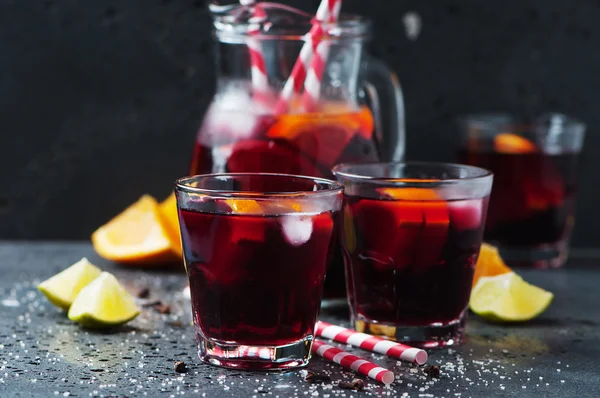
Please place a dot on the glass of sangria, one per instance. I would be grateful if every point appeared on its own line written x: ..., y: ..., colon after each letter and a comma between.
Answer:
x: 256, y: 248
x: 260, y: 125
x: 535, y: 166
x: 412, y: 234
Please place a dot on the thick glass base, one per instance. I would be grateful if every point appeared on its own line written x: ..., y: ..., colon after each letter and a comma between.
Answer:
x: 427, y: 336
x: 235, y: 356
x: 543, y: 256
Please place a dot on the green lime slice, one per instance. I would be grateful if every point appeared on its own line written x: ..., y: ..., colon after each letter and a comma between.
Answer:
x: 508, y: 298
x: 103, y: 303
x: 62, y: 288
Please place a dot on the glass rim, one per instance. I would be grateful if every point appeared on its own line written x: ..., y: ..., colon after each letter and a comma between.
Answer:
x: 348, y: 26
x: 519, y: 124
x: 481, y: 176
x: 182, y: 185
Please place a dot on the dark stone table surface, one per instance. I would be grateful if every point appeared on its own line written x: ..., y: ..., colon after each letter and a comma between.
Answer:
x: 43, y: 354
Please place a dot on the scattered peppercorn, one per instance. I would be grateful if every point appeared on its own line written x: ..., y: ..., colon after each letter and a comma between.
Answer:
x: 432, y: 371
x: 356, y: 384
x: 316, y: 378
x: 162, y: 308
x: 143, y: 293
x: 180, y: 367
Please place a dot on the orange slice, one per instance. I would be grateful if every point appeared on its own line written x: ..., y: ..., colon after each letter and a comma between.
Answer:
x: 244, y: 206
x: 512, y: 143
x: 139, y: 235
x: 408, y: 193
x: 363, y: 117
x: 489, y: 263
x: 323, y: 135
x: 168, y: 209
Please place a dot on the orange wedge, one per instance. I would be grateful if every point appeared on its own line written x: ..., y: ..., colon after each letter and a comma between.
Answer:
x: 489, y: 263
x: 244, y: 206
x: 168, y: 209
x: 139, y: 235
x: 324, y: 135
x: 512, y: 143
x: 411, y: 193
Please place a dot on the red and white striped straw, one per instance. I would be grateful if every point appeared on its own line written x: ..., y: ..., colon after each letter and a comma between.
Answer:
x: 353, y: 362
x: 371, y: 343
x: 258, y: 66
x: 314, y: 76
x: 328, y: 11
x: 255, y: 352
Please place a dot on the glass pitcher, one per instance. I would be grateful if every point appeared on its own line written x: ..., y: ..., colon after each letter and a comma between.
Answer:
x: 358, y: 115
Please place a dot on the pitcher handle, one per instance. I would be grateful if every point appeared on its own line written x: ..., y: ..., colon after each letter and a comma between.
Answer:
x: 383, y: 90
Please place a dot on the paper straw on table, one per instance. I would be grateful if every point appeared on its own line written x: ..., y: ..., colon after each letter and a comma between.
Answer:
x: 371, y: 343
x: 347, y: 360
x: 325, y: 13
x: 258, y: 68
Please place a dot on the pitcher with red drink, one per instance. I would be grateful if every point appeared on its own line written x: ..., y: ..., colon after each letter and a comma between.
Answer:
x: 281, y: 108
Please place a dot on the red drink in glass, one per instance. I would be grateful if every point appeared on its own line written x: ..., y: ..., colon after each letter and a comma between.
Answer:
x: 535, y: 166
x: 256, y: 264
x: 534, y: 206
x: 413, y: 261
x: 246, y: 263
x: 412, y: 234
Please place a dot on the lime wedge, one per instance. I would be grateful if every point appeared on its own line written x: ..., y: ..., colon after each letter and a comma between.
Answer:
x: 62, y: 288
x: 103, y: 303
x: 508, y: 298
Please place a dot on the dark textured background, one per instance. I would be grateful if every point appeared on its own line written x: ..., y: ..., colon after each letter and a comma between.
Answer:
x: 100, y: 100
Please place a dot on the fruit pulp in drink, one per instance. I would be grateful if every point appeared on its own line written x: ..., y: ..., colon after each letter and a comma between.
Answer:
x: 411, y: 262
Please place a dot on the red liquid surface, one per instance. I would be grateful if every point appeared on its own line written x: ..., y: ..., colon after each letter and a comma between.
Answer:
x: 302, y: 144
x: 412, y: 262
x: 252, y: 281
x: 532, y: 198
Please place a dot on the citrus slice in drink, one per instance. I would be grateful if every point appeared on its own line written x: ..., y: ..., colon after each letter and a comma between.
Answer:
x: 411, y: 193
x: 139, y: 235
x: 508, y: 298
x: 361, y: 119
x: 62, y: 288
x: 489, y: 263
x: 103, y: 303
x: 248, y: 229
x: 323, y: 135
x: 513, y: 143
x: 244, y: 206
